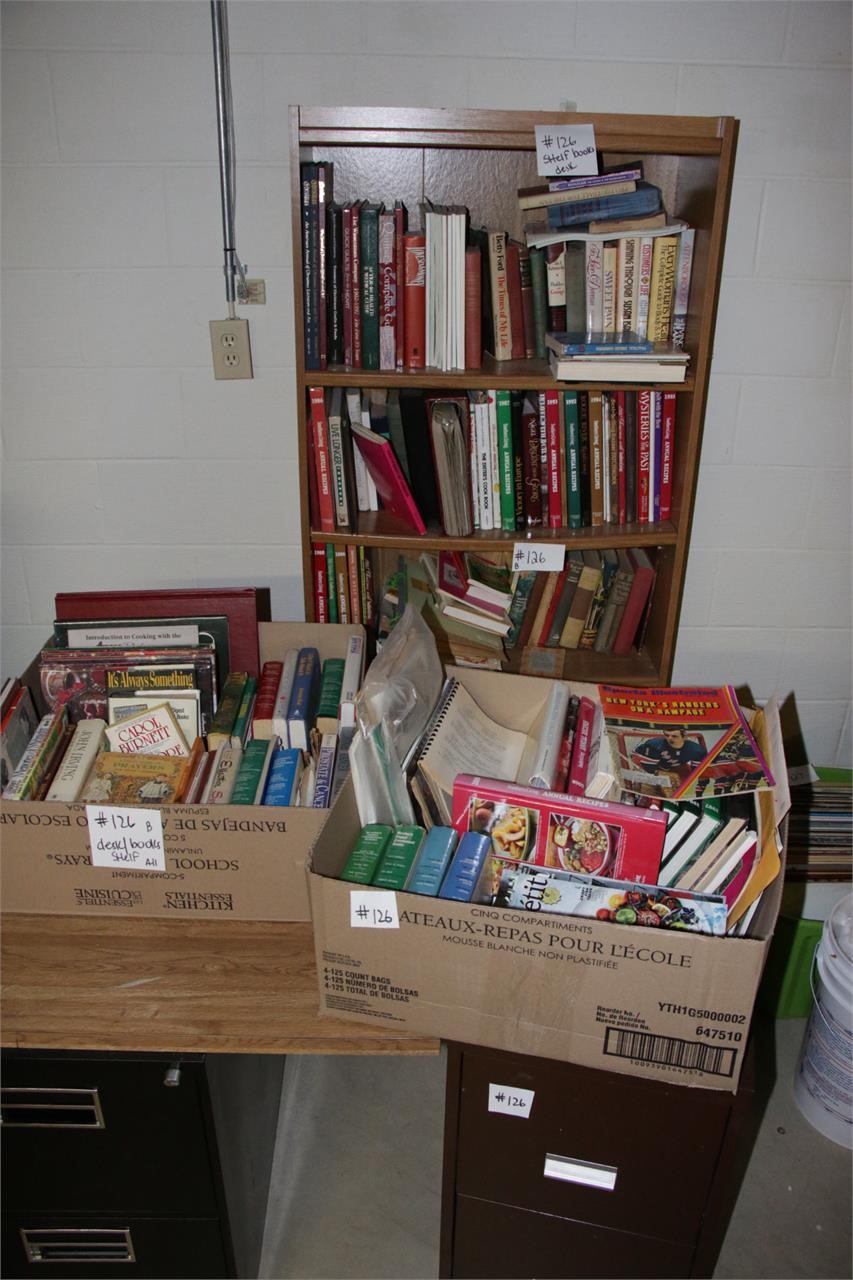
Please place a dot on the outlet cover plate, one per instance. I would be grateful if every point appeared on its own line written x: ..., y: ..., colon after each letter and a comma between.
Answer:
x: 231, y: 349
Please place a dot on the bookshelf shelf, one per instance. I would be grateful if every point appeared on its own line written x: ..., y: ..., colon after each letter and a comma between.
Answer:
x: 478, y: 159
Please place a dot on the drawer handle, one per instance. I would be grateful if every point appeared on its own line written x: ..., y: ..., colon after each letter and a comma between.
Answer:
x: 78, y: 1244
x: 581, y: 1172
x: 50, y: 1109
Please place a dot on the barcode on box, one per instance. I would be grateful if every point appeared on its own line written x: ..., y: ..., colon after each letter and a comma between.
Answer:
x: 668, y: 1051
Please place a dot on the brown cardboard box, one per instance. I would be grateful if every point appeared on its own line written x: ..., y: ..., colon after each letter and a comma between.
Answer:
x: 243, y: 861
x: 667, y: 1006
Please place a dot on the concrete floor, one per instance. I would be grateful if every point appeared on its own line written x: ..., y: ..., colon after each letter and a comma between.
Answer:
x: 357, y: 1179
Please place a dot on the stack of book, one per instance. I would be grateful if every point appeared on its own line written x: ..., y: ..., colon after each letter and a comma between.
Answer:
x: 820, y: 827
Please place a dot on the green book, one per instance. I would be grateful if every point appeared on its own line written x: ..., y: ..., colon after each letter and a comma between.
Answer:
x: 524, y: 584
x: 252, y: 773
x: 332, y: 583
x: 539, y: 284
x: 368, y: 231
x: 506, y: 459
x: 364, y: 856
x: 396, y: 862
x: 219, y: 733
x: 331, y: 683
x: 573, y: 460
x: 243, y: 718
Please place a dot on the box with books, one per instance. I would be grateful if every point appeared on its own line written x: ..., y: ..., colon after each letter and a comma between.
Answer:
x: 234, y: 852
x: 662, y: 1001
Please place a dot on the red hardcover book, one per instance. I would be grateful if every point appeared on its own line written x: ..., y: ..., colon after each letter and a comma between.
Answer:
x: 321, y: 587
x: 582, y: 747
x: 644, y: 455
x: 527, y: 308
x: 596, y: 458
x: 541, y: 641
x: 414, y: 301
x: 391, y: 485
x: 353, y: 583
x: 354, y: 283
x: 621, y: 456
x: 244, y: 607
x: 262, y: 711
x: 516, y: 306
x: 387, y: 292
x: 346, y: 279
x: 532, y: 464
x: 400, y: 274
x: 322, y: 459
x: 667, y: 452
x: 641, y: 586
x: 473, y: 294
x: 342, y: 584
x: 555, y: 475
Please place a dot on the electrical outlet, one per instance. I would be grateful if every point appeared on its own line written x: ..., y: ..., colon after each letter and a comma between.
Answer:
x: 232, y: 352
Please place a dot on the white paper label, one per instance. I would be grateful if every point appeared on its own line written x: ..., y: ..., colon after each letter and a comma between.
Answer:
x: 376, y: 910
x: 566, y: 151
x: 509, y: 1101
x: 542, y: 557
x: 126, y: 838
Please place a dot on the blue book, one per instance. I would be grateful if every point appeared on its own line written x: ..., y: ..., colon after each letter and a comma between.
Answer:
x: 303, y: 698
x: 431, y: 863
x: 598, y: 344
x: 628, y: 204
x: 283, y: 777
x: 464, y: 871
x: 325, y: 771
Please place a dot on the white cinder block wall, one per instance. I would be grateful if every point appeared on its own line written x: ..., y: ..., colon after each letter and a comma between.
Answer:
x: 124, y: 463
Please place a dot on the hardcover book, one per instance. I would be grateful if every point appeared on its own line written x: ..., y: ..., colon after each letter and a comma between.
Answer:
x: 154, y: 731
x: 285, y: 774
x: 120, y: 779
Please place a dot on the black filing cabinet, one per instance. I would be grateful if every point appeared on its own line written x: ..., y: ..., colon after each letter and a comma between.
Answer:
x: 127, y: 1165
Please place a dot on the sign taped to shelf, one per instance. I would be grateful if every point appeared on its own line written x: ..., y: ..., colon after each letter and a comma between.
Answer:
x: 566, y: 151
x: 540, y: 557
x: 126, y: 838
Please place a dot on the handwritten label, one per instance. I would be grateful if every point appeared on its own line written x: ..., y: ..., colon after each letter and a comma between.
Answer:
x: 377, y: 910
x: 566, y: 151
x: 509, y: 1101
x: 127, y: 839
x: 541, y: 557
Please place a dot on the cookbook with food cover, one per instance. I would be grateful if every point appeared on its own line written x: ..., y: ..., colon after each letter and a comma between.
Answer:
x: 564, y: 833
x: 682, y: 744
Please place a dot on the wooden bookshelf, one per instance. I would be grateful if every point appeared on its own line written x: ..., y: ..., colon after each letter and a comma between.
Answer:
x: 479, y: 159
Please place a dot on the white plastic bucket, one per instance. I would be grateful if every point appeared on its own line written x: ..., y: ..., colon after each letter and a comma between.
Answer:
x: 823, y: 1086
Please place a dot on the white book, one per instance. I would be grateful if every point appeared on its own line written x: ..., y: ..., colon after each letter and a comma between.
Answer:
x: 730, y: 833
x: 677, y: 828
x: 594, y: 253
x: 644, y: 278
x: 78, y: 760
x: 691, y: 846
x: 719, y: 871
x: 540, y: 757
x: 484, y: 464
x: 336, y: 455
x: 282, y: 697
x: 223, y: 774
x: 351, y: 683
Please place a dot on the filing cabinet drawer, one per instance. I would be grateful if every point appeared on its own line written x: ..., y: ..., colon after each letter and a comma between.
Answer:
x: 502, y: 1242
x: 82, y: 1133
x: 596, y: 1147
x: 89, y: 1247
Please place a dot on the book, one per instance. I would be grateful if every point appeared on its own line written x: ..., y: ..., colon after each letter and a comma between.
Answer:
x: 588, y: 581
x: 154, y: 731
x: 645, y: 198
x: 689, y: 876
x: 448, y: 436
x: 223, y: 774
x: 541, y: 755
x: 284, y: 776
x: 606, y: 184
x: 340, y: 459
x: 334, y: 284
x: 501, y: 323
x: 241, y: 729
x: 587, y: 343
x: 387, y: 475
x: 430, y: 865
x: 309, y: 209
x: 635, y: 368
x: 39, y: 755
x: 353, y: 674
x: 667, y: 453
x: 564, y: 594
x: 708, y: 825
x: 387, y: 289
x: 324, y: 779
x: 267, y: 691
x: 682, y: 743
x: 252, y: 771
x: 368, y: 234
x: 329, y: 697
x: 683, y: 272
x: 414, y: 300
x: 303, y: 698
x: 231, y: 695
x: 243, y: 607
x: 117, y: 778
x: 473, y: 304
x: 77, y: 761
x: 19, y: 723
x: 199, y: 764
x: 662, y: 287
x: 184, y: 707
x: 587, y: 726
x: 395, y: 864
x: 545, y: 828
x: 642, y: 582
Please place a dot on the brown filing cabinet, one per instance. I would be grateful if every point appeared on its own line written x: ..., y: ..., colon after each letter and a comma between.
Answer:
x: 607, y: 1175
x: 118, y: 1164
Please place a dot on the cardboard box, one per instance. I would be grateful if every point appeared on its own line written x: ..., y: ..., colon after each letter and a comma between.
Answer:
x: 246, y: 862
x: 664, y: 1005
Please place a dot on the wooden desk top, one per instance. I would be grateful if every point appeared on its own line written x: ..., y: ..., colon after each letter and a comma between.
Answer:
x: 176, y: 986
